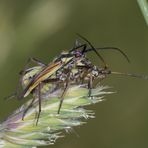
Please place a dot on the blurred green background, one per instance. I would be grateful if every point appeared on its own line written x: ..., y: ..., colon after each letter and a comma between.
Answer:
x: 43, y: 28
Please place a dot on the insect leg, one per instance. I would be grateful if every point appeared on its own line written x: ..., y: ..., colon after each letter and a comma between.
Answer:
x: 39, y: 99
x: 49, y: 80
x: 87, y: 71
x: 90, y: 83
x: 63, y: 94
x: 33, y: 60
x: 38, y: 62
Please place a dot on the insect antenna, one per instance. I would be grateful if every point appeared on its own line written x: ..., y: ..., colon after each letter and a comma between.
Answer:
x: 111, y: 48
x: 130, y: 74
x: 93, y: 50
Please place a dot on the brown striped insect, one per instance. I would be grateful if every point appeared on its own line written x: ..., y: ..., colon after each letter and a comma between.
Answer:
x: 81, y: 74
x: 63, y: 65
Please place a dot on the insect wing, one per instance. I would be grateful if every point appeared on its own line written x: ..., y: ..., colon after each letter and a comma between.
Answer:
x: 45, y: 74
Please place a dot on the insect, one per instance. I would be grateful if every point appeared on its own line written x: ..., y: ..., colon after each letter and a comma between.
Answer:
x: 82, y: 73
x: 60, y: 69
x: 79, y: 72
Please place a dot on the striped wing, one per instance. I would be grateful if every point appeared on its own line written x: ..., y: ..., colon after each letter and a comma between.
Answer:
x: 43, y: 75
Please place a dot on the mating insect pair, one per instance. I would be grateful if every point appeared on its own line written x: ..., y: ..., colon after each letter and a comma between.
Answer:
x: 70, y: 67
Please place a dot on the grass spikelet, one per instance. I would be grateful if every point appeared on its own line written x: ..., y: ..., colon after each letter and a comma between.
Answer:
x: 18, y: 133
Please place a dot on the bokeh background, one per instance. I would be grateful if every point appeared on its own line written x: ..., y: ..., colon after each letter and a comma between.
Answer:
x: 43, y: 28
